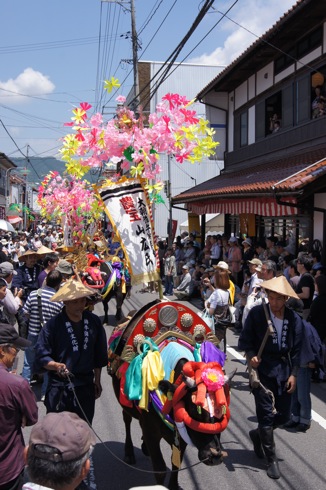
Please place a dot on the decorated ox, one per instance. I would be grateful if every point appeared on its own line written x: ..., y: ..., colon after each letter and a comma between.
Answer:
x: 111, y: 278
x: 167, y: 373
x: 117, y: 286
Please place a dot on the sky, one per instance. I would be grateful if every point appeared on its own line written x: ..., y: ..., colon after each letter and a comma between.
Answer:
x: 56, y: 54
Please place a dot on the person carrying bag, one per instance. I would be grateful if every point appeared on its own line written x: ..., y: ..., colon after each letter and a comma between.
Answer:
x: 219, y: 304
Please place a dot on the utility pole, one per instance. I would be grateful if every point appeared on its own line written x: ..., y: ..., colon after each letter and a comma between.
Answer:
x: 134, y: 40
x: 26, y: 192
x: 134, y: 53
x: 169, y: 195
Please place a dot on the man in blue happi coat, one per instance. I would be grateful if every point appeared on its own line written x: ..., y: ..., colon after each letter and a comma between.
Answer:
x: 72, y: 346
x: 277, y: 367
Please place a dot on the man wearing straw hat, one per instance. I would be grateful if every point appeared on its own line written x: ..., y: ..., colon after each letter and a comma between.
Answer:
x: 72, y: 347
x: 277, y: 366
x: 27, y: 273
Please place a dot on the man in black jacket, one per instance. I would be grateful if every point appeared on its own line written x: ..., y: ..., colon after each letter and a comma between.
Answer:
x: 277, y: 367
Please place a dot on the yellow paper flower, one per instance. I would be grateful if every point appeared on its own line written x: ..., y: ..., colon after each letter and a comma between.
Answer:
x: 109, y: 85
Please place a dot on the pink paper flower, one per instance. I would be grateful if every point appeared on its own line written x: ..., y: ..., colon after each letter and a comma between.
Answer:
x: 213, y: 379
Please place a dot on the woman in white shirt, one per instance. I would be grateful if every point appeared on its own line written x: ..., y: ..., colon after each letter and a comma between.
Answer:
x: 218, y: 301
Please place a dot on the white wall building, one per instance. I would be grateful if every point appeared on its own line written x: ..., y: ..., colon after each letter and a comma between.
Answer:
x: 186, y: 79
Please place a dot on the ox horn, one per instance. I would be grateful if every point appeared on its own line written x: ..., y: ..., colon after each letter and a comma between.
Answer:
x: 228, y: 377
x: 191, y: 383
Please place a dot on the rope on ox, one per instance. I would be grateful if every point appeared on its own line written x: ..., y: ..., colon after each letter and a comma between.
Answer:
x: 152, y: 472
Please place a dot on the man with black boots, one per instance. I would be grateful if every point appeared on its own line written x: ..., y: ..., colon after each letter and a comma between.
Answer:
x: 277, y: 367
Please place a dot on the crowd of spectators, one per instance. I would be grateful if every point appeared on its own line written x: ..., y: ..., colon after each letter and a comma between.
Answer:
x: 249, y: 262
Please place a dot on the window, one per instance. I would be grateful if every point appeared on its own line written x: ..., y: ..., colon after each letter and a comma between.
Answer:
x: 244, y: 129
x: 273, y: 113
x: 318, y: 93
x: 240, y: 129
x: 303, y: 47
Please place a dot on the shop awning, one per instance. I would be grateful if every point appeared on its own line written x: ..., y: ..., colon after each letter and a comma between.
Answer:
x: 14, y: 219
x: 259, y: 189
x: 260, y: 206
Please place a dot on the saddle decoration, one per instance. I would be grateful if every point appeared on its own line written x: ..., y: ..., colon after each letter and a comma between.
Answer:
x: 212, y: 394
x: 144, y: 373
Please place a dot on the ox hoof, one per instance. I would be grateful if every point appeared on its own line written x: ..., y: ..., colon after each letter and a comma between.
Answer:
x: 130, y: 459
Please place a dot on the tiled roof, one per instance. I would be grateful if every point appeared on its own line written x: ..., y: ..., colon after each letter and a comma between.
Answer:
x: 287, y: 175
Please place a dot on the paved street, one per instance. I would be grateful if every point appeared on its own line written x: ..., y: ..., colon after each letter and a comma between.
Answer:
x: 302, y: 456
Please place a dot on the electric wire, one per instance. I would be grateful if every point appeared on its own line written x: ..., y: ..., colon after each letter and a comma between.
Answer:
x: 20, y: 151
x: 143, y: 52
x: 196, y: 46
x: 267, y: 42
x: 171, y: 59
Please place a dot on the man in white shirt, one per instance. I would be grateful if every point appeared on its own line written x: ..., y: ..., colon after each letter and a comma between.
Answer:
x: 254, y: 267
x: 182, y: 291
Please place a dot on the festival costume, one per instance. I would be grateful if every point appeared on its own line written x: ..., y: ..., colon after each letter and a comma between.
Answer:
x: 26, y: 279
x: 82, y: 350
x: 280, y: 359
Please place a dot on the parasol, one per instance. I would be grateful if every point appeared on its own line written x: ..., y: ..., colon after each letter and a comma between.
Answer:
x: 5, y: 225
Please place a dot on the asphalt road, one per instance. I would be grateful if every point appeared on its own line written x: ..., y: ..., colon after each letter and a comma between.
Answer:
x: 301, y: 456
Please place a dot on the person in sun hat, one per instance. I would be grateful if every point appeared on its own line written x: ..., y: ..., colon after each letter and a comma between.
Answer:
x: 277, y: 367
x: 58, y: 453
x: 65, y: 268
x: 74, y: 341
x: 27, y: 273
x: 254, y: 281
x: 223, y: 266
x: 18, y: 408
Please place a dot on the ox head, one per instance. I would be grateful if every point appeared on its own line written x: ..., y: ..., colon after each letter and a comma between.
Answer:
x: 200, y: 406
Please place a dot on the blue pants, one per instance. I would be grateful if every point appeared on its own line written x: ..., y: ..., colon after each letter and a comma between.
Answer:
x: 301, y: 401
x: 29, y: 358
x: 168, y: 285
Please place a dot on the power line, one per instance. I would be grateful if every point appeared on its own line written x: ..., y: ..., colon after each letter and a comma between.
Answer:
x: 21, y: 48
x: 173, y: 56
x: 20, y: 151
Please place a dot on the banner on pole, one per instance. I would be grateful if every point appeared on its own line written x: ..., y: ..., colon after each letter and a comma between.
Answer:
x: 128, y: 209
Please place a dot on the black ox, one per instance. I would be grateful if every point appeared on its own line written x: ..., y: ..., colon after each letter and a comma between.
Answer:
x: 154, y: 429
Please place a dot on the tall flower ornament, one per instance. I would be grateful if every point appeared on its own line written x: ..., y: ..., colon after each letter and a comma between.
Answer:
x: 129, y: 140
x: 174, y: 129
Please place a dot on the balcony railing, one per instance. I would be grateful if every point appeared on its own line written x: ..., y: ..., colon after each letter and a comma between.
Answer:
x: 306, y: 135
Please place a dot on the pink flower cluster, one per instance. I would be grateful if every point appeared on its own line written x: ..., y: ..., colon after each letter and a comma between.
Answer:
x: 173, y: 129
x: 70, y: 199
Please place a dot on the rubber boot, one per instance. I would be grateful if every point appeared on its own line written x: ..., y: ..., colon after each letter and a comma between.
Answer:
x: 267, y: 442
x: 258, y: 449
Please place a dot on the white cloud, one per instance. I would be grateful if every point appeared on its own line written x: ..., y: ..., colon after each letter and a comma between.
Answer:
x: 255, y: 15
x: 28, y: 83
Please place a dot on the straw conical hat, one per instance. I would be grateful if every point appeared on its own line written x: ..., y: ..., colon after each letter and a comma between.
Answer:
x: 280, y: 285
x: 71, y: 290
x: 44, y: 250
x: 22, y: 258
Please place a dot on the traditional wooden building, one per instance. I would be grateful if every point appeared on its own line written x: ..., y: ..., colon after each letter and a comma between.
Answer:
x: 272, y: 102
